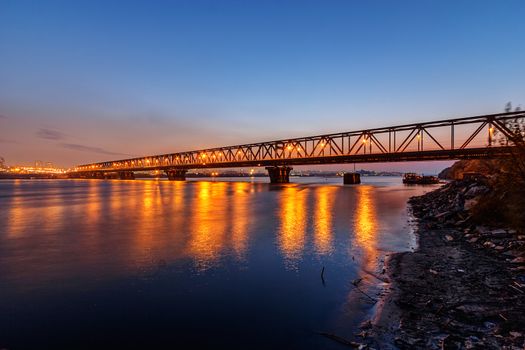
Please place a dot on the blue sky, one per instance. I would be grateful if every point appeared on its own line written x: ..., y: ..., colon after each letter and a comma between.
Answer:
x: 86, y: 81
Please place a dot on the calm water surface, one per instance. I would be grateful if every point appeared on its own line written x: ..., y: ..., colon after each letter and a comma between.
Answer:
x: 215, y: 264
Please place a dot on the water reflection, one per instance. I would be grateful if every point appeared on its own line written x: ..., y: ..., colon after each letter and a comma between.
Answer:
x: 292, y: 230
x: 365, y: 227
x: 196, y: 253
x: 240, y: 214
x: 208, y: 226
x: 323, y: 219
x: 15, y: 223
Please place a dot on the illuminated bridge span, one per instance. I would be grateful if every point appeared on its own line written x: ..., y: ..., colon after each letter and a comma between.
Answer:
x: 486, y: 136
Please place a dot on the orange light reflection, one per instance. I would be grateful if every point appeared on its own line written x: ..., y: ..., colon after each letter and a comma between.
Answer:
x: 365, y: 227
x: 323, y: 218
x: 208, y: 224
x: 292, y: 212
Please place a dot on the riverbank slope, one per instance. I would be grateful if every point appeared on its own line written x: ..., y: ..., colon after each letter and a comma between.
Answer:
x: 464, y: 286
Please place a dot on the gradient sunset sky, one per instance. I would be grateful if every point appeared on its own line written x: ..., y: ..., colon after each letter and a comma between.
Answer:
x: 86, y: 81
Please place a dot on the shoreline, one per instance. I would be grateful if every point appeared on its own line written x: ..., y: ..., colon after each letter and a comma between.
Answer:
x: 462, y: 287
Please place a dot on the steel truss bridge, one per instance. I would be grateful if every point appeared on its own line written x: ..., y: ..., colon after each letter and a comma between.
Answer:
x: 485, y: 136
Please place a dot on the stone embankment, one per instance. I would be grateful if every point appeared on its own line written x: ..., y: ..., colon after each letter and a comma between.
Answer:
x: 464, y: 286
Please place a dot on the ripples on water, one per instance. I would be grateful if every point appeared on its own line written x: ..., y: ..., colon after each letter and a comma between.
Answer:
x: 146, y: 263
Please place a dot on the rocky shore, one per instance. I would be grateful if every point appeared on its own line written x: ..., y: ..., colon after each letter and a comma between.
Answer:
x: 464, y: 286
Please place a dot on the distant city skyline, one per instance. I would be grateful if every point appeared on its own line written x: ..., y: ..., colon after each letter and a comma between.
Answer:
x: 88, y: 81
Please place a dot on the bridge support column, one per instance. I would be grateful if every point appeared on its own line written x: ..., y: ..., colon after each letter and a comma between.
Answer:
x: 176, y: 174
x: 279, y: 174
x: 351, y: 178
x: 97, y: 175
x: 126, y: 175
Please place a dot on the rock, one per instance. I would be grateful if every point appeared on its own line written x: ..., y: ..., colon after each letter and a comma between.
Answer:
x: 473, y: 240
x: 449, y: 238
x: 489, y: 325
x: 483, y: 230
x: 489, y: 244
x: 520, y: 259
x: 499, y: 232
x: 475, y: 191
x: 440, y: 215
x: 470, y: 203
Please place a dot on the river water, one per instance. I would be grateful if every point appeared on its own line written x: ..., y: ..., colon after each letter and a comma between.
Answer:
x: 196, y: 264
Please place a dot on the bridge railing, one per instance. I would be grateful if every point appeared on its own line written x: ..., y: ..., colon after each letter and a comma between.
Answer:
x: 445, y: 135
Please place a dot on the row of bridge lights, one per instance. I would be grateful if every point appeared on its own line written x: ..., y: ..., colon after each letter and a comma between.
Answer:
x: 290, y: 147
x: 203, y: 156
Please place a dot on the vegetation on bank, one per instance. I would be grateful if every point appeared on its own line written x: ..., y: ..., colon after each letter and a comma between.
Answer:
x: 504, y: 204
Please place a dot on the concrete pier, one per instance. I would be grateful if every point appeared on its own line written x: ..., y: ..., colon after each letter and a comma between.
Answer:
x: 126, y: 175
x: 176, y: 174
x: 279, y: 174
x: 351, y: 178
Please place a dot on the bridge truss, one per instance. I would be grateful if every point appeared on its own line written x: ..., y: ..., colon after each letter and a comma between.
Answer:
x: 483, y: 136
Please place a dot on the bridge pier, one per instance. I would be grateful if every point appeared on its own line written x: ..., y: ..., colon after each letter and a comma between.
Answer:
x: 96, y: 175
x: 176, y: 174
x: 351, y: 178
x: 126, y: 175
x: 279, y: 174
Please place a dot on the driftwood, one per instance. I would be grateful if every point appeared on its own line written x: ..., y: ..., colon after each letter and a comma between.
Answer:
x: 340, y: 340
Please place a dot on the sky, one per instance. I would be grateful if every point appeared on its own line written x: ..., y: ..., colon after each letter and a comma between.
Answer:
x: 87, y: 81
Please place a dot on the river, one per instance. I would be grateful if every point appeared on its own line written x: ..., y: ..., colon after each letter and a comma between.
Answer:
x: 214, y: 264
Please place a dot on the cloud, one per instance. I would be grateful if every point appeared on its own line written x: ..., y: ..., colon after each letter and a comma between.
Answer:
x: 49, y: 134
x: 7, y: 141
x: 82, y: 148
x: 3, y: 116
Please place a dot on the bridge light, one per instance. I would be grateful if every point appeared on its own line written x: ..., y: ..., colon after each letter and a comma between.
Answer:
x: 290, y: 147
x: 418, y: 136
x: 364, y: 140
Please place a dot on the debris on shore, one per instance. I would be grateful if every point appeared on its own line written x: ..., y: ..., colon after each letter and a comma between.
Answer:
x: 463, y: 288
